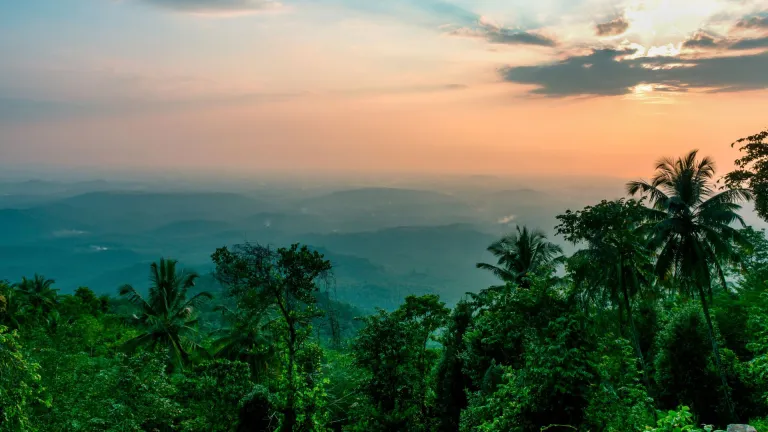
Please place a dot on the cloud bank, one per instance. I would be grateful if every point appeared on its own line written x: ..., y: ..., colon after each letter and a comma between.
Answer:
x: 608, y: 72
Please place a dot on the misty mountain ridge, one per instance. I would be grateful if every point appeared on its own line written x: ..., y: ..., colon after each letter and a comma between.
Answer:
x: 385, y: 242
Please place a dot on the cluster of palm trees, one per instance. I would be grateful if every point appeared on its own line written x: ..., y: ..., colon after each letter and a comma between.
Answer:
x: 165, y: 319
x: 31, y: 300
x: 686, y: 236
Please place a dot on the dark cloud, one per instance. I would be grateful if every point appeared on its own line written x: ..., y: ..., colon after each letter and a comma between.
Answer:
x: 504, y: 36
x: 215, y: 6
x: 608, y: 72
x: 613, y: 27
x: 747, y: 44
x: 757, y: 22
x: 700, y: 40
x: 510, y: 37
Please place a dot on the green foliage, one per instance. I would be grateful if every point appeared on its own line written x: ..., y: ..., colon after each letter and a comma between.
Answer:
x: 616, y: 265
x: 452, y: 382
x: 680, y: 420
x: 693, y: 233
x: 37, y: 300
x: 20, y: 385
x: 258, y: 411
x: 504, y: 318
x: 282, y: 283
x: 618, y: 402
x: 552, y: 386
x: 521, y: 254
x: 388, y: 350
x: 211, y: 393
x: 756, y: 370
x: 344, y: 381
x: 547, y: 362
x: 686, y: 371
x: 752, y: 169
x: 166, y: 317
x: 600, y: 349
x: 109, y: 394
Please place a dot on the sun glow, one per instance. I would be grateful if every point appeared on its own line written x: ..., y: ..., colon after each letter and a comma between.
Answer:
x: 657, y: 21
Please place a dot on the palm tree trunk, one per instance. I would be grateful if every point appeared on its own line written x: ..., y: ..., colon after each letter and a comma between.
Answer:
x: 715, y: 350
x: 635, y: 340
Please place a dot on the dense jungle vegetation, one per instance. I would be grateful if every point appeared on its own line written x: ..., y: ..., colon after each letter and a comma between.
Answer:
x: 659, y: 322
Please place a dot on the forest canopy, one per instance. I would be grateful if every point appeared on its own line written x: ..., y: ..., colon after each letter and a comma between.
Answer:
x: 658, y: 322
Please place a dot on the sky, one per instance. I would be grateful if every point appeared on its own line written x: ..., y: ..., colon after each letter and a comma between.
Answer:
x: 567, y: 87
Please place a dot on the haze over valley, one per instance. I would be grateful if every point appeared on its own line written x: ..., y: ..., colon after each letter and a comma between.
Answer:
x: 387, y: 237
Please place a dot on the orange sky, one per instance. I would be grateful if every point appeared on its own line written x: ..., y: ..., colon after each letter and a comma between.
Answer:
x: 438, y: 86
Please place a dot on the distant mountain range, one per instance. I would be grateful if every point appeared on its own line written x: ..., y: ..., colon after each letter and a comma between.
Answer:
x: 385, y: 243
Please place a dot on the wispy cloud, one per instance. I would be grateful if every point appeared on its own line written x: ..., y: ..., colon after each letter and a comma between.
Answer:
x: 452, y: 19
x: 755, y: 22
x: 31, y: 109
x: 216, y: 7
x: 502, y: 35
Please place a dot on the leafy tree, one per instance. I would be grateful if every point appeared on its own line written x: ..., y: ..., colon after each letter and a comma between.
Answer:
x: 428, y: 314
x: 286, y: 280
x: 618, y: 400
x: 122, y: 394
x: 257, y: 411
x: 752, y: 170
x: 551, y: 387
x: 452, y: 382
x: 20, y: 386
x: 344, y: 388
x: 756, y: 369
x: 616, y: 253
x: 685, y: 368
x: 9, y: 306
x: 84, y: 301
x: 247, y: 339
x: 521, y: 254
x: 503, y: 320
x: 752, y: 274
x: 166, y: 317
x: 211, y: 393
x: 388, y: 349
x: 694, y: 235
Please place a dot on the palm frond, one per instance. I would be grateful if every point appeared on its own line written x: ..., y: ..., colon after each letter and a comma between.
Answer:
x: 133, y: 296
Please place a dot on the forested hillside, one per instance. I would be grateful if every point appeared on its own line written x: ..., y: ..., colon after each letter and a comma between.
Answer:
x: 657, y: 322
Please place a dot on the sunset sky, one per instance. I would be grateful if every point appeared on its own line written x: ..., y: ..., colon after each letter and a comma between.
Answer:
x: 462, y: 86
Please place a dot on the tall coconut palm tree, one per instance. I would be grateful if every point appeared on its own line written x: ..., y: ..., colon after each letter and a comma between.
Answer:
x: 166, y: 317
x: 37, y: 298
x: 520, y: 254
x: 694, y: 237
